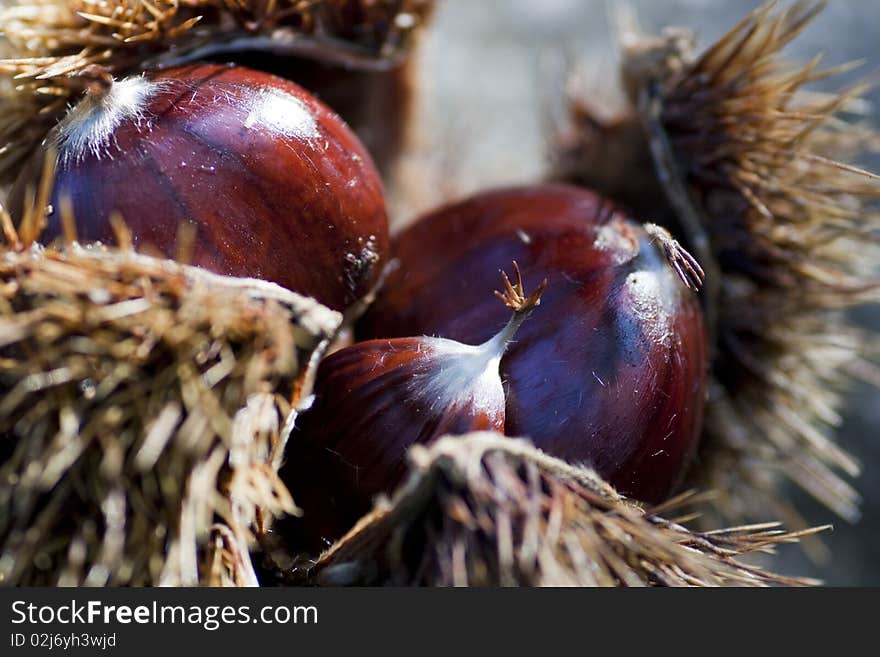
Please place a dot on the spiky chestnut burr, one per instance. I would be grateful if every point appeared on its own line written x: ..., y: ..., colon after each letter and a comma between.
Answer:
x: 614, y: 374
x: 376, y: 399
x: 488, y: 510
x: 142, y: 414
x: 272, y: 182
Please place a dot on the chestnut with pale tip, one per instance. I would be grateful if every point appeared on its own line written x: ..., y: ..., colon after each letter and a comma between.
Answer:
x: 271, y: 181
x: 375, y: 399
x: 614, y: 374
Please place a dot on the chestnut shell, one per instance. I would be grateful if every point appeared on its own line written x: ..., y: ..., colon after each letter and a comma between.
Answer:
x: 277, y: 186
x: 612, y: 373
x: 373, y: 401
x: 375, y: 104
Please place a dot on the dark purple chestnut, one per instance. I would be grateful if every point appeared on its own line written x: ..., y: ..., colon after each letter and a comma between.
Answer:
x: 275, y: 184
x: 614, y: 373
x: 374, y: 400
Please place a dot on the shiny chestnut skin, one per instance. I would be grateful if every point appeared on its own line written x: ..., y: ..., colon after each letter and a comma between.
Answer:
x: 613, y: 374
x: 352, y: 444
x: 376, y: 399
x: 375, y: 104
x: 275, y: 183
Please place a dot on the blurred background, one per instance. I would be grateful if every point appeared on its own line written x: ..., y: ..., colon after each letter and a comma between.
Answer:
x: 487, y: 69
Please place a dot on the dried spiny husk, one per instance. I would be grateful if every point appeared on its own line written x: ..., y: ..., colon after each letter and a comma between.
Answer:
x: 145, y: 408
x: 487, y: 510
x: 750, y: 168
x: 53, y: 48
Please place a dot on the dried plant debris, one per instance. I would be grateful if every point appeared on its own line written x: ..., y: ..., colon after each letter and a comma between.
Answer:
x: 53, y: 48
x: 485, y: 510
x: 755, y: 172
x: 144, y: 411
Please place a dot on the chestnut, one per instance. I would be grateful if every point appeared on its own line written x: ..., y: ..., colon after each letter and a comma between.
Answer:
x: 375, y: 102
x: 274, y: 183
x: 614, y: 373
x: 376, y: 399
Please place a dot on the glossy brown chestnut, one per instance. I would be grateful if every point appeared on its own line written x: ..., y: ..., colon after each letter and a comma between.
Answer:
x: 275, y: 184
x: 614, y: 373
x: 375, y: 104
x: 374, y: 400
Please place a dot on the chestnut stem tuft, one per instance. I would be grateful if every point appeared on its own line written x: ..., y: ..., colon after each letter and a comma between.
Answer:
x: 682, y: 262
x: 98, y: 80
x: 514, y: 296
